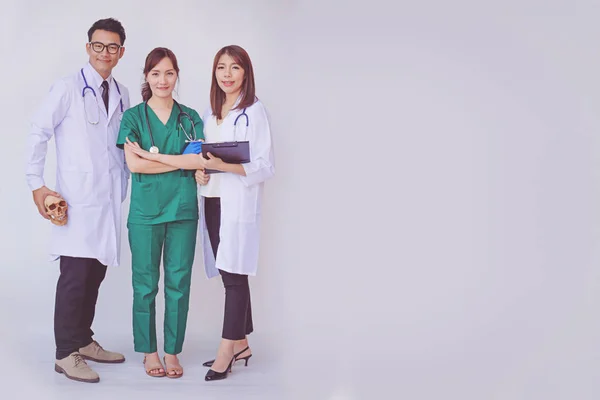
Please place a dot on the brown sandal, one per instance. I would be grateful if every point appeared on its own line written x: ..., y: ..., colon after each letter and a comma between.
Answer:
x: 174, y: 369
x: 151, y: 367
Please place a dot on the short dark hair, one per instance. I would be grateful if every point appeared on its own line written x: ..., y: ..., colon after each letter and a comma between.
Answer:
x: 108, y: 24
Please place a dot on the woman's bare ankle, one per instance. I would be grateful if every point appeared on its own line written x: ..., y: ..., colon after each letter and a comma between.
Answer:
x: 240, y: 345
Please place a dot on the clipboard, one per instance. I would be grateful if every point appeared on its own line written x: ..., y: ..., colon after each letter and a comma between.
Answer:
x: 230, y: 152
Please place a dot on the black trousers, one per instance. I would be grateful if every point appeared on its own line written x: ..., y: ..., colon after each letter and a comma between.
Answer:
x: 75, y: 306
x: 237, y: 320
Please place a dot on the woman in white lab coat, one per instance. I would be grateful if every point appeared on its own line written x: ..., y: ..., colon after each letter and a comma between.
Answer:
x: 230, y: 202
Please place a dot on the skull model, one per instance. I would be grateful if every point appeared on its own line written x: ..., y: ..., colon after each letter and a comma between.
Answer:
x: 57, y: 210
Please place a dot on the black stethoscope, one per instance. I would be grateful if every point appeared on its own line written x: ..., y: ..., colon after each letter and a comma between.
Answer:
x: 88, y: 87
x: 189, y: 138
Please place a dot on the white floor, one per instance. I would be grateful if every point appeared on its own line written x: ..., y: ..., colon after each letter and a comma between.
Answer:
x: 32, y: 375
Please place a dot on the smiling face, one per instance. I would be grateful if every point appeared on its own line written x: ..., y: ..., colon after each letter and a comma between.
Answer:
x: 162, y: 78
x: 104, y: 62
x: 230, y: 75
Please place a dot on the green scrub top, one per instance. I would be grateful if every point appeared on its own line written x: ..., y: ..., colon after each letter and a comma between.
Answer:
x: 170, y: 196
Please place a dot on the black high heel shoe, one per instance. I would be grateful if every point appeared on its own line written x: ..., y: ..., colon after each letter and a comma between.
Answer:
x: 213, y: 375
x: 235, y: 357
x: 243, y: 358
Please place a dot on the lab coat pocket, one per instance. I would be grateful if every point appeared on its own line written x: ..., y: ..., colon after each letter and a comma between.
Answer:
x: 249, y: 206
x: 77, y: 187
x: 74, y: 153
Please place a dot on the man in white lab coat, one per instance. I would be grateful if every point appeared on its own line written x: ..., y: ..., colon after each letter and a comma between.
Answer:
x: 83, y: 112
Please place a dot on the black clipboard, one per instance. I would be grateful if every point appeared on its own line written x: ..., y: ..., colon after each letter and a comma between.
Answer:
x: 230, y: 152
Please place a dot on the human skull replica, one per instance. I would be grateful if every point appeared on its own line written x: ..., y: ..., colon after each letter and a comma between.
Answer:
x: 56, y: 208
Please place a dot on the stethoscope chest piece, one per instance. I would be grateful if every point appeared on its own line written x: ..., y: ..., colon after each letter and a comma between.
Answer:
x: 154, y: 150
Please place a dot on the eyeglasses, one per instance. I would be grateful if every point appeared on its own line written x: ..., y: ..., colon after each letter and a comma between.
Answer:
x: 98, y: 47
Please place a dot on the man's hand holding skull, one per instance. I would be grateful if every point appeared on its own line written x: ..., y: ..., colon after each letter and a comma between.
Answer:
x: 51, y: 205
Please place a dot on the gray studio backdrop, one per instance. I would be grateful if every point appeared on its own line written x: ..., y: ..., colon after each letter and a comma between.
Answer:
x: 432, y: 232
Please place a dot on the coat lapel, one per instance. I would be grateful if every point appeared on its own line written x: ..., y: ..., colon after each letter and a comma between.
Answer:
x: 114, y: 99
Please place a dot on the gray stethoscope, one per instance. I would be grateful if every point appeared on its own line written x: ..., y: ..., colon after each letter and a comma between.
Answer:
x: 189, y: 138
x: 88, y: 87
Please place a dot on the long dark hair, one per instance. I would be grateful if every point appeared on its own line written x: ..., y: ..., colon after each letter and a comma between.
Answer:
x: 152, y: 59
x: 217, y: 96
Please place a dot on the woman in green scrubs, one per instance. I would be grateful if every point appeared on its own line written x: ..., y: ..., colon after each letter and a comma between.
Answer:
x: 163, y: 214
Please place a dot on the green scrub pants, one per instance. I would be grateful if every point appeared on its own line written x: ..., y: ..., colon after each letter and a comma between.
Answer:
x: 146, y: 242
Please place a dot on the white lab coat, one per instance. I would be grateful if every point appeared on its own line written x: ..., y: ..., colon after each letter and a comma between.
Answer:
x: 240, y: 196
x: 91, y: 173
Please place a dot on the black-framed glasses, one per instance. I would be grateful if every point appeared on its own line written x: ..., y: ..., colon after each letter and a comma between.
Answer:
x: 98, y: 47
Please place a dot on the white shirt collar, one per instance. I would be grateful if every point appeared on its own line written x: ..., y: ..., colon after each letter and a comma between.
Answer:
x: 94, y: 79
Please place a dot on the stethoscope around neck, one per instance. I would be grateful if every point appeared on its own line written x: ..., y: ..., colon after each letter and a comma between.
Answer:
x: 243, y: 114
x: 88, y: 87
x: 189, y: 138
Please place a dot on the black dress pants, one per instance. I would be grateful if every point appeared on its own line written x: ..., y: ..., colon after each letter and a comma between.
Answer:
x: 237, y: 320
x: 75, y: 306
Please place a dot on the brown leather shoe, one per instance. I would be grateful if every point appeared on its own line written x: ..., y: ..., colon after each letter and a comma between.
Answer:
x: 74, y: 367
x: 95, y: 352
